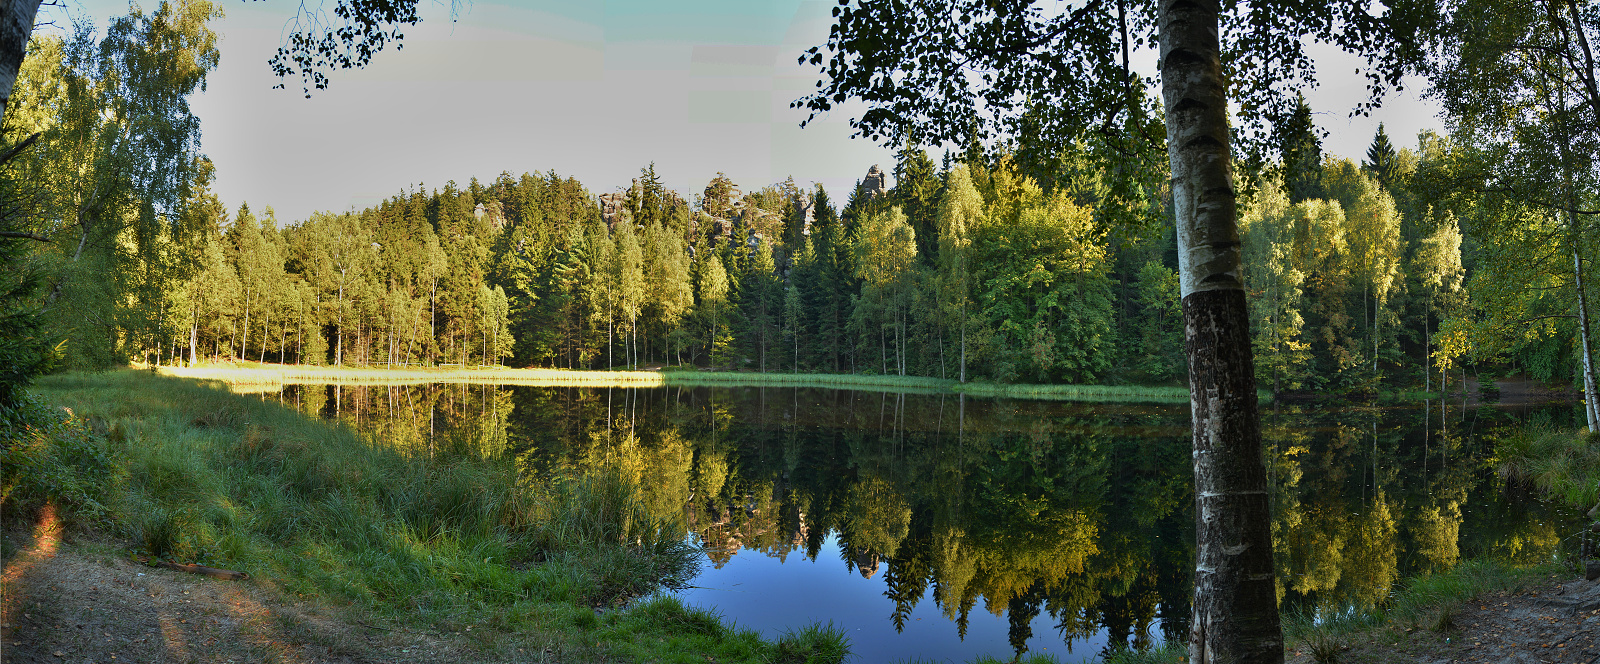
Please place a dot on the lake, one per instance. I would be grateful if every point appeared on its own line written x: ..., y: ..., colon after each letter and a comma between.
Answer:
x: 943, y: 528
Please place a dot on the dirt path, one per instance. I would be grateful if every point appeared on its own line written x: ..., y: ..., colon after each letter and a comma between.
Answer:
x: 1559, y: 622
x: 70, y: 604
x: 1550, y: 623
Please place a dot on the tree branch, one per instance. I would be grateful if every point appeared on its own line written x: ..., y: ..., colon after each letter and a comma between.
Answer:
x: 14, y: 151
x: 1530, y: 320
x: 26, y: 236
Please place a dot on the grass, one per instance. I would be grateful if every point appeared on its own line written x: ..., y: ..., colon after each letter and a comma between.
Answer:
x: 247, y: 377
x: 1563, y: 463
x: 1429, y: 601
x: 1166, y: 653
x: 185, y: 471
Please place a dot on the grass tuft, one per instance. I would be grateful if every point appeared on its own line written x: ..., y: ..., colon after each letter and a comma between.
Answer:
x: 1561, y: 462
x: 1166, y: 653
x: 813, y: 644
x: 1323, y: 645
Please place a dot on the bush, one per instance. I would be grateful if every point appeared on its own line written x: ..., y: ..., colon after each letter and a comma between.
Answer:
x: 49, y: 455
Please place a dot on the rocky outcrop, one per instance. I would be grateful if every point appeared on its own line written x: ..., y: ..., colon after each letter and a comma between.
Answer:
x: 805, y: 210
x: 612, y: 207
x: 876, y: 183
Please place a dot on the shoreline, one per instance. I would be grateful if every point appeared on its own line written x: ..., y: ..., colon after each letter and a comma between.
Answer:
x: 252, y: 375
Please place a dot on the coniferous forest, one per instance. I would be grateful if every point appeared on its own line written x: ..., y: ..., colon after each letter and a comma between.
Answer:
x: 995, y: 263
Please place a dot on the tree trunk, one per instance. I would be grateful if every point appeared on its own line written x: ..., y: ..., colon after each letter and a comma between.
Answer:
x: 194, y: 335
x: 15, y: 29
x: 433, y: 314
x: 244, y: 336
x: 266, y: 329
x: 338, y: 353
x: 1427, y: 348
x: 1235, y: 608
x: 963, y: 342
x: 1591, y: 408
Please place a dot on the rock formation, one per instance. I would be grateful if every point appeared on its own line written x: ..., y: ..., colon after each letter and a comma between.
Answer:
x: 805, y: 211
x: 612, y: 207
x: 876, y: 183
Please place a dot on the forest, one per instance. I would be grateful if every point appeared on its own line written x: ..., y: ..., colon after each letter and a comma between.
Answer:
x: 1057, y: 224
x: 1006, y: 262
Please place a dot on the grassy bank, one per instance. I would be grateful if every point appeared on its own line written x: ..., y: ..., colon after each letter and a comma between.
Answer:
x: 1563, y: 463
x: 247, y: 376
x: 251, y: 373
x: 1425, y: 602
x: 187, y: 472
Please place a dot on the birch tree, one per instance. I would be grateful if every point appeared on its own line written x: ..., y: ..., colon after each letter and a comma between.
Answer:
x: 945, y: 71
x: 1520, y: 89
x: 960, y: 211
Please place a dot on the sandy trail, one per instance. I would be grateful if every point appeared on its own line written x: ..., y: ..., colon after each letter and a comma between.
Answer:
x: 69, y: 604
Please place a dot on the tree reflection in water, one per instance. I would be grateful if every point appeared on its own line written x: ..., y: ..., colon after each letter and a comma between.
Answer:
x: 1079, y: 512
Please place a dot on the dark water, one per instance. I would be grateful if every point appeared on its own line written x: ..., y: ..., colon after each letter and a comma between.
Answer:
x: 942, y: 528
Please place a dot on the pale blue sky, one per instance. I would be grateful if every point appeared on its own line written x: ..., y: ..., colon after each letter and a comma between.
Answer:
x: 593, y: 90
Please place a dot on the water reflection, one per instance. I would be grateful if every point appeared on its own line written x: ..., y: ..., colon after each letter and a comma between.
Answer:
x: 986, y: 527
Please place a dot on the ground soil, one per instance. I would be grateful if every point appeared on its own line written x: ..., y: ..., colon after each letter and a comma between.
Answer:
x: 1557, y: 621
x: 70, y: 600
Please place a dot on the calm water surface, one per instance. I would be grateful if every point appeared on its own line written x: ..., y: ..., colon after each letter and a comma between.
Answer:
x: 943, y: 528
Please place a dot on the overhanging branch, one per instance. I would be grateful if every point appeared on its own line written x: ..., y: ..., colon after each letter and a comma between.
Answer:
x: 18, y: 148
x: 26, y: 236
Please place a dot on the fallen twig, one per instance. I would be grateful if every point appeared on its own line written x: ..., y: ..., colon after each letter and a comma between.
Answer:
x: 224, y: 574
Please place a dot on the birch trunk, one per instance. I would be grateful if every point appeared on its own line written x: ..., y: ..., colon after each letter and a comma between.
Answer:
x: 266, y: 329
x: 1235, y: 608
x: 338, y: 354
x: 1591, y: 408
x: 15, y: 29
x: 194, y: 334
x: 244, y: 338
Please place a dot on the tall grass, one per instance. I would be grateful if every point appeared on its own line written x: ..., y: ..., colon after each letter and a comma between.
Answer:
x: 1561, y: 462
x: 440, y: 539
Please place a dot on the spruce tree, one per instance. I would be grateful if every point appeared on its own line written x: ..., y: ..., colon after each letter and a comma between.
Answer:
x: 1301, y: 147
x: 1381, y: 158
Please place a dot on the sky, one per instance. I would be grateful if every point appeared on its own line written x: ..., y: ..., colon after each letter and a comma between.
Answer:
x: 593, y: 90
